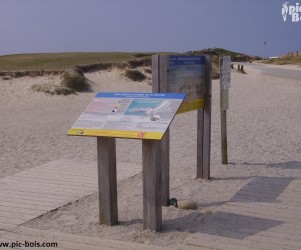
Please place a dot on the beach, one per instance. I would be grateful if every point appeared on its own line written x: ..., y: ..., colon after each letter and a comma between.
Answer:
x: 264, y: 143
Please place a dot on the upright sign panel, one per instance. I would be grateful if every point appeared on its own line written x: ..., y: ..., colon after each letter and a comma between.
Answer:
x: 190, y: 75
x: 225, y: 77
x: 128, y: 115
x: 186, y: 75
x: 225, y: 70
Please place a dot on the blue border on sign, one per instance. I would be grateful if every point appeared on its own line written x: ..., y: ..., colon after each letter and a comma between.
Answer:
x: 140, y: 95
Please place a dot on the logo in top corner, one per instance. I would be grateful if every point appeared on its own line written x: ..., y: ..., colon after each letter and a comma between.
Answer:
x: 293, y: 11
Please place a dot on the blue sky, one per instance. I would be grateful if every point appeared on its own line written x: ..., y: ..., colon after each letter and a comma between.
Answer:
x: 33, y: 26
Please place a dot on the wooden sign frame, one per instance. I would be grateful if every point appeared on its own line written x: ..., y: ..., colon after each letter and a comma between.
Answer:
x: 160, y: 71
x: 144, y: 107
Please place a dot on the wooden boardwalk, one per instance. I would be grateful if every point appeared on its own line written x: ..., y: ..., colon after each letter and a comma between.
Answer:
x: 31, y: 193
x: 264, y: 214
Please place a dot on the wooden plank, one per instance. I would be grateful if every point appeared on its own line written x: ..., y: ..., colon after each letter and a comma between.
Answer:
x: 204, y: 117
x: 159, y: 85
x: 200, y: 144
x: 224, y: 105
x: 284, y: 244
x: 5, y: 226
x: 260, y: 214
x: 165, y: 168
x: 267, y: 192
x: 281, y: 214
x: 22, y: 205
x: 224, y: 139
x: 164, y: 65
x: 155, y: 73
x: 20, y: 210
x: 21, y: 200
x: 249, y: 196
x: 152, y: 209
x: 285, y: 228
x: 11, y: 214
x: 280, y: 207
x: 29, y: 193
x: 31, y: 196
x: 74, y: 182
x: 86, y: 172
x: 73, y: 170
x: 222, y: 243
x: 249, y: 242
x: 40, y: 192
x: 11, y: 220
x: 107, y: 180
x: 272, y: 235
x: 59, y: 185
x: 52, y: 188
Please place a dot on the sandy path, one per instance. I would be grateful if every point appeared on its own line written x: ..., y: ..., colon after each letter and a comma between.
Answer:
x: 264, y: 140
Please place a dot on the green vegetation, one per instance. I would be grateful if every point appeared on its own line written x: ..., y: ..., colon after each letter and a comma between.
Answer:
x: 148, y: 70
x: 292, y: 58
x: 134, y: 75
x: 52, y: 89
x: 225, y: 52
x: 71, y: 81
x: 58, y: 63
x: 144, y: 54
x: 62, y: 61
x: 215, y: 74
x: 75, y: 80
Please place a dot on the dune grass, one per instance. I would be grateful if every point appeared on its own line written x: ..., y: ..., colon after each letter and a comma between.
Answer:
x: 134, y: 75
x: 52, y: 89
x: 287, y: 59
x: 75, y: 80
x: 62, y: 61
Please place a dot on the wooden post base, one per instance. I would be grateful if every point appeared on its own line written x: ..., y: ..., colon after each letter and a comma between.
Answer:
x: 152, y: 208
x: 107, y: 181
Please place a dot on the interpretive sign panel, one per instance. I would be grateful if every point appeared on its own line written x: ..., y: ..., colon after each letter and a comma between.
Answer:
x: 128, y: 115
x: 186, y: 75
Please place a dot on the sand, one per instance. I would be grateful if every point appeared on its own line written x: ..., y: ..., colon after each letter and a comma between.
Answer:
x: 264, y: 140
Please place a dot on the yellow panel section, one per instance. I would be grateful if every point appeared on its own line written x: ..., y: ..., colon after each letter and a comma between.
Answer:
x: 116, y: 133
x: 191, y: 105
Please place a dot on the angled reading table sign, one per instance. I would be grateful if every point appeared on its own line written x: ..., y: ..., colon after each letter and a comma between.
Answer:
x: 128, y: 115
x: 143, y: 116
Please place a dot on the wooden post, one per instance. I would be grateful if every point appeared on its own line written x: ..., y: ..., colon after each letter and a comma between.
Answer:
x: 152, y: 208
x: 224, y: 105
x: 159, y: 69
x: 224, y: 142
x: 107, y: 181
x: 204, y: 127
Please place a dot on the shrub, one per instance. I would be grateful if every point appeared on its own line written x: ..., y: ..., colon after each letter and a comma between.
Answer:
x: 51, y: 89
x: 134, y: 75
x: 215, y: 74
x: 63, y: 91
x: 149, y: 71
x: 74, y: 79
